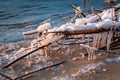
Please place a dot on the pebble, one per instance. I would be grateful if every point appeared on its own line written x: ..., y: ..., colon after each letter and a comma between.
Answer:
x: 94, y: 71
x: 104, y: 70
x: 63, y: 71
x: 76, y: 58
x: 99, y: 54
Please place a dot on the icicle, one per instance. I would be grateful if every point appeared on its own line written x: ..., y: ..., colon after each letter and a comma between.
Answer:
x: 91, y: 51
x: 96, y: 43
x: 103, y: 38
x: 109, y: 39
x: 118, y: 17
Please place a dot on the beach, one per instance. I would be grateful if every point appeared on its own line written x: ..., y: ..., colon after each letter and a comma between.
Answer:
x: 71, y: 51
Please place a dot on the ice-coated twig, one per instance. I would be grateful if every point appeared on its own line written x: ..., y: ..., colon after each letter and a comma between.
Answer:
x: 40, y: 29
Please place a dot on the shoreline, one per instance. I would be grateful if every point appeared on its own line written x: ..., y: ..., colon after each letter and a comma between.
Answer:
x: 76, y: 67
x: 94, y: 70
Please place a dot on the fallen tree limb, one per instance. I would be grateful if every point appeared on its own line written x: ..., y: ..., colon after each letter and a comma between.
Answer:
x: 40, y: 69
x: 77, y: 10
x: 106, y: 51
x: 40, y: 29
x: 74, y: 43
x: 30, y: 32
x: 6, y: 76
x: 87, y: 29
x: 12, y: 62
x: 49, y: 42
x: 118, y: 47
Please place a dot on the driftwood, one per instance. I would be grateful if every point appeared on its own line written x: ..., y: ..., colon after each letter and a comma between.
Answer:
x: 74, y: 43
x: 12, y: 62
x: 88, y: 29
x: 40, y: 70
x: 79, y: 12
x: 6, y: 76
x: 51, y: 40
x: 86, y: 25
x: 40, y: 29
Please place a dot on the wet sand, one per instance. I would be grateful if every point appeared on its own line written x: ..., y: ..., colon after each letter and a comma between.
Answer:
x: 75, y: 68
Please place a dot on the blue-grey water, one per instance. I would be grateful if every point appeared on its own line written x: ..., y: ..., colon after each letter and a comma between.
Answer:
x: 17, y: 16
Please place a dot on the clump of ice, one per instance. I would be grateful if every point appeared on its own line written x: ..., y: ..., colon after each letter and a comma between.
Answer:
x: 107, y: 15
x: 44, y: 27
x: 87, y: 68
x: 116, y: 59
x: 80, y: 21
x: 51, y: 38
x: 93, y: 19
x: 118, y: 17
x: 38, y: 66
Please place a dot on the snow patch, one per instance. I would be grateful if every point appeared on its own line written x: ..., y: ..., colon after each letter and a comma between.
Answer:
x: 116, y: 59
x: 87, y: 68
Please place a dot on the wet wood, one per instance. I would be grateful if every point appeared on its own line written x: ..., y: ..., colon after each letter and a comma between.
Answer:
x: 82, y: 14
x: 100, y: 30
x: 12, y: 62
x: 40, y: 70
x: 89, y: 29
x: 6, y: 76
x: 74, y: 43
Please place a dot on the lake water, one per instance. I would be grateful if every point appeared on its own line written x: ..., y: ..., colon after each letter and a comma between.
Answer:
x: 17, y: 16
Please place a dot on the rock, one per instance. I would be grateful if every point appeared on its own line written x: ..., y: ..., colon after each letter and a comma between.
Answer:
x: 94, y: 71
x: 63, y: 71
x: 104, y: 70
x: 99, y: 54
x: 76, y: 58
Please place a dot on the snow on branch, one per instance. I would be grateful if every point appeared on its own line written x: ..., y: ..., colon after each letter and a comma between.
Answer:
x: 86, y: 29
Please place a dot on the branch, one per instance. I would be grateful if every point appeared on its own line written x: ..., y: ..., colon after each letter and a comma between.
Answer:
x: 40, y: 69
x: 77, y: 10
x: 6, y: 76
x: 12, y: 62
x: 30, y: 32
x: 88, y: 29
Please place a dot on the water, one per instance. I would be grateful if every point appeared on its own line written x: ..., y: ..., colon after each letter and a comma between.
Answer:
x: 17, y: 16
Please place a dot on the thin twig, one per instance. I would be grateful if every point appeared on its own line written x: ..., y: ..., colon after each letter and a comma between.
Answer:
x: 99, y: 17
x: 73, y: 43
x: 82, y: 14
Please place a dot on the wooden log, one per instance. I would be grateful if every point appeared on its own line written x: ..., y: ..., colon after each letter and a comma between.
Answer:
x: 40, y: 70
x: 88, y: 29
